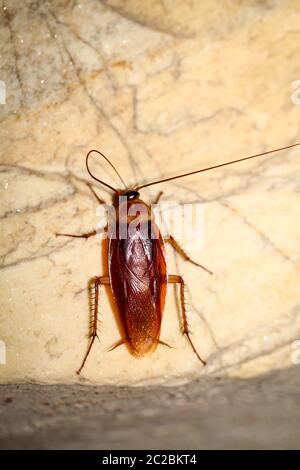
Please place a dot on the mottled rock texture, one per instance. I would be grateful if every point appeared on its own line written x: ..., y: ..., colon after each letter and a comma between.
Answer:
x: 162, y: 88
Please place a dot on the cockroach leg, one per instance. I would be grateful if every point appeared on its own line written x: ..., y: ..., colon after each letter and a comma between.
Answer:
x: 101, y: 201
x: 83, y: 235
x: 98, y: 281
x: 174, y: 279
x: 157, y: 199
x: 92, y: 233
x: 183, y: 254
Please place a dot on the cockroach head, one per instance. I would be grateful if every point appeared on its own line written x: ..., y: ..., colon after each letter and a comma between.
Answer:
x: 131, y: 194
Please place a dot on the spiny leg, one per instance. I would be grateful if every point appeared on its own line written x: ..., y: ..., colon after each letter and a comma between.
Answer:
x: 174, y: 279
x: 103, y: 280
x: 183, y: 254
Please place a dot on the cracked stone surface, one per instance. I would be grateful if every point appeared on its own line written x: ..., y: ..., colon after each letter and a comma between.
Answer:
x: 208, y: 413
x: 162, y: 89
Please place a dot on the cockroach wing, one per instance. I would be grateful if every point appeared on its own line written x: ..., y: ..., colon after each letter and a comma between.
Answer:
x: 138, y: 277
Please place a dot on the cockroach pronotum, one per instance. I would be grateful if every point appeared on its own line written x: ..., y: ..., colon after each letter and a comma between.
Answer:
x: 137, y: 270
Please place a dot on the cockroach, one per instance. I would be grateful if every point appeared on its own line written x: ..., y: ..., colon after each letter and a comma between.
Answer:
x: 137, y: 269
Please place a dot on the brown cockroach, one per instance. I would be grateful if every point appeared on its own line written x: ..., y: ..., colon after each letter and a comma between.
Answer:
x: 137, y: 270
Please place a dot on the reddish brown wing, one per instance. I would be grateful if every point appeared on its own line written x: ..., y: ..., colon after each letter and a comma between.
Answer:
x: 137, y: 270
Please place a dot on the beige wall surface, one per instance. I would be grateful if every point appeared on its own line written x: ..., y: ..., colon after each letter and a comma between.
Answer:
x: 160, y: 87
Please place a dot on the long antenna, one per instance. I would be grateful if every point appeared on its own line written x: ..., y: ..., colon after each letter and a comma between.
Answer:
x: 109, y: 162
x: 213, y: 167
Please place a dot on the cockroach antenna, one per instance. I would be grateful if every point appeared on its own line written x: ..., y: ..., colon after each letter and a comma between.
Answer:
x: 214, y: 167
x: 109, y: 162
